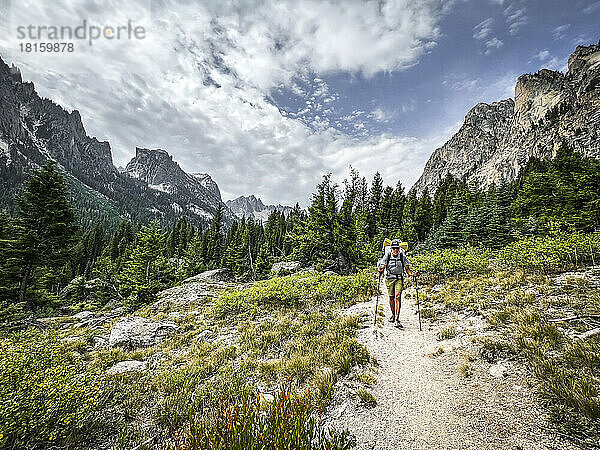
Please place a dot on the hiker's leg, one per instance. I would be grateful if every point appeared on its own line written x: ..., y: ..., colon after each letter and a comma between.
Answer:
x: 398, y: 291
x: 390, y: 287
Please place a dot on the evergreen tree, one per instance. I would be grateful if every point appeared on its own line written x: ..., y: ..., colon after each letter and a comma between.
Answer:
x: 46, y: 226
x: 375, y: 194
x: 452, y: 231
x: 9, y: 258
x: 423, y: 216
x: 147, y: 269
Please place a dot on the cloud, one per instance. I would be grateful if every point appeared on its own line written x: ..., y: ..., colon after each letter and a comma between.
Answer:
x: 516, y: 18
x: 199, y: 85
x: 542, y: 55
x: 482, y: 30
x: 591, y: 8
x: 559, y: 32
x: 493, y: 43
x: 380, y: 115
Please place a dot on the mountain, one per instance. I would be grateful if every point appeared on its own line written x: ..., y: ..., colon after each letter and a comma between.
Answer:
x: 496, y: 140
x: 192, y: 192
x: 253, y: 207
x: 35, y: 130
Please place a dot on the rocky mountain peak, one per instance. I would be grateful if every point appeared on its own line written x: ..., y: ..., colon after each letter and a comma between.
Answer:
x: 34, y: 130
x: 253, y: 207
x: 583, y: 59
x: 496, y: 140
x: 536, y: 94
x: 197, y: 191
x: 154, y: 166
x: 207, y: 181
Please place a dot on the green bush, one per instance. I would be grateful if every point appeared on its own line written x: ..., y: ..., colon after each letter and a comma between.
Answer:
x: 560, y: 251
x: 453, y: 261
x: 47, y: 393
x: 296, y: 291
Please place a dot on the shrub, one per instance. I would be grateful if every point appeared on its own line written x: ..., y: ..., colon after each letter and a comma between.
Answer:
x: 453, y: 261
x: 288, y: 423
x: 296, y: 291
x: 560, y: 251
x: 47, y: 394
x: 366, y: 396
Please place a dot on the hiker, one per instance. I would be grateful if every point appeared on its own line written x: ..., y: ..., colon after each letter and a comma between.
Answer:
x: 395, y: 263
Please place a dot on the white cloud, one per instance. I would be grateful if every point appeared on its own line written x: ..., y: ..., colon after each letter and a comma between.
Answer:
x: 542, y: 55
x: 198, y: 84
x: 482, y: 30
x: 380, y: 115
x: 591, y: 8
x: 559, y: 32
x: 516, y: 18
x: 493, y: 43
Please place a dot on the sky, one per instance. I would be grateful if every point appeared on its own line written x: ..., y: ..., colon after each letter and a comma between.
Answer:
x: 267, y: 96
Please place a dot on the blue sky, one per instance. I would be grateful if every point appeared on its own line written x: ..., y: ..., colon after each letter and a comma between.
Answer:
x: 267, y: 96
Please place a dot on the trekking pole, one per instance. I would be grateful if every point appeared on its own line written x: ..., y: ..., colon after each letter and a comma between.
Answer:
x: 418, y: 305
x: 377, y: 301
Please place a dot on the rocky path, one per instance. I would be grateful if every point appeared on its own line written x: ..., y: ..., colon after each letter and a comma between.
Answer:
x: 423, y: 402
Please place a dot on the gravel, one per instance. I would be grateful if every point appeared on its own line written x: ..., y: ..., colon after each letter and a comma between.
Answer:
x: 423, y: 402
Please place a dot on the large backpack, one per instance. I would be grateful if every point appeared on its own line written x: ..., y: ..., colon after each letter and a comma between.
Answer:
x: 385, y: 259
x: 395, y: 266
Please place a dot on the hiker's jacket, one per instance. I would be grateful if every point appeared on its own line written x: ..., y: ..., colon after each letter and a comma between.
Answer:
x: 394, y: 266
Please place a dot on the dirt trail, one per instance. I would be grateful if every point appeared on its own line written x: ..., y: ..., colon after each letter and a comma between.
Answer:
x: 423, y: 402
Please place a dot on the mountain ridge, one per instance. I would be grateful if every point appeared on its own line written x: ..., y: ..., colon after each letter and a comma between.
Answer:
x: 35, y: 130
x: 496, y: 140
x: 251, y: 206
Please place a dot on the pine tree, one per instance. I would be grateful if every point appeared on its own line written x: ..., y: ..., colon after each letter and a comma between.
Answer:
x: 375, y: 194
x: 423, y: 216
x: 263, y: 262
x: 147, y: 270
x: 46, y: 226
x: 9, y: 258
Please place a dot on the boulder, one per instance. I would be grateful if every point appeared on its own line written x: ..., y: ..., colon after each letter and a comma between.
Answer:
x: 287, y: 266
x: 216, y: 275
x: 127, y: 366
x: 341, y: 264
x: 84, y: 315
x: 498, y: 370
x: 134, y: 332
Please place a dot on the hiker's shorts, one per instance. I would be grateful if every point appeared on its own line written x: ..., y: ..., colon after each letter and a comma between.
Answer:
x: 394, y: 286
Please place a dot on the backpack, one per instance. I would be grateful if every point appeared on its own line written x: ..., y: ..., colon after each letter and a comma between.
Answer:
x: 385, y: 259
x: 395, y: 266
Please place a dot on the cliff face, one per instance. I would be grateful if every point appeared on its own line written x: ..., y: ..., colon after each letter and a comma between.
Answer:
x: 252, y: 207
x: 195, y: 192
x: 35, y: 130
x: 496, y: 140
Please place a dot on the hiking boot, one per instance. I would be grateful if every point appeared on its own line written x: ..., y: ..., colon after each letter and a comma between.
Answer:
x: 393, y: 318
x: 399, y: 325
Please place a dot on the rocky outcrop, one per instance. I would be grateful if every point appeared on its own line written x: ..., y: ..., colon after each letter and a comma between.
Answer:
x: 198, y: 193
x: 136, y: 332
x: 496, y: 140
x: 286, y: 267
x: 127, y: 366
x: 216, y: 275
x: 253, y: 207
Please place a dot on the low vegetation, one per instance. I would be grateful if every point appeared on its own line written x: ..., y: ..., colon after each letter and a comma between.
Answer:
x: 537, y: 314
x: 277, y: 349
